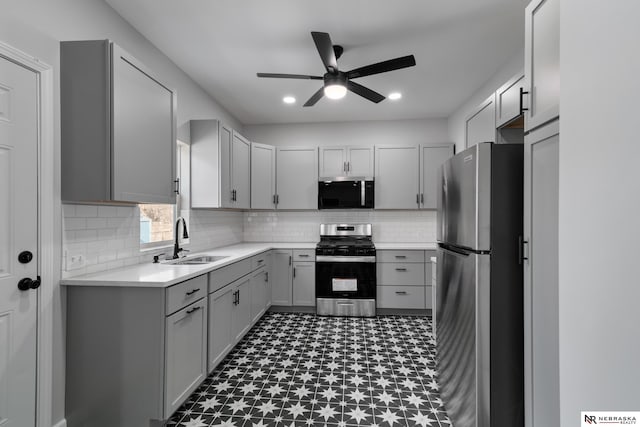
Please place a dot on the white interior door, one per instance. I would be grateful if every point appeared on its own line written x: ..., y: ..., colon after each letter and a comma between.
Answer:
x: 18, y: 235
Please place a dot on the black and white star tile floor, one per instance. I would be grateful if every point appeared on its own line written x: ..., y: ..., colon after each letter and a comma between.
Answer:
x: 295, y: 370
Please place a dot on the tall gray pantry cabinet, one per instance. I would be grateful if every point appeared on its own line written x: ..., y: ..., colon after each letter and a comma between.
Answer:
x: 118, y: 124
x: 541, y: 211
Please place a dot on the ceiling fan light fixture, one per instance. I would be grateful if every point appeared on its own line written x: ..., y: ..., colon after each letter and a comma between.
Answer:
x: 335, y: 91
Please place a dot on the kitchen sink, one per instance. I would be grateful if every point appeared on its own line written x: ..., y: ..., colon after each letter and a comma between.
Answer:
x: 203, y: 259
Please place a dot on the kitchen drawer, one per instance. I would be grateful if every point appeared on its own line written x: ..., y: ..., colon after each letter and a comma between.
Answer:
x: 400, y: 274
x: 259, y: 260
x: 185, y: 293
x: 401, y: 297
x: 304, y: 255
x: 400, y: 256
x: 225, y: 275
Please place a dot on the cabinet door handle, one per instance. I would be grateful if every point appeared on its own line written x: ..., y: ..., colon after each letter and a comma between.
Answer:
x: 522, y: 93
x: 289, y: 259
x: 193, y: 309
x: 266, y: 276
x: 277, y: 199
x: 348, y: 166
x: 401, y: 292
x: 344, y: 166
x: 418, y: 199
x: 422, y: 198
x: 177, y: 186
x: 401, y: 269
x: 274, y: 199
x: 294, y: 272
x: 260, y: 261
x: 193, y: 291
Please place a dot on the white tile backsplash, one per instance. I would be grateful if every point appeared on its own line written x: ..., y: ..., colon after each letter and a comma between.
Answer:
x: 304, y: 226
x: 108, y: 237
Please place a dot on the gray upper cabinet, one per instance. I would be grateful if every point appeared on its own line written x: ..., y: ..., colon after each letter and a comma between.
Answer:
x: 118, y: 124
x: 509, y: 101
x: 397, y: 177
x: 297, y: 177
x: 241, y: 171
x: 220, y: 166
x: 263, y: 176
x: 480, y: 126
x: 354, y: 161
x: 431, y: 158
x: 542, y: 61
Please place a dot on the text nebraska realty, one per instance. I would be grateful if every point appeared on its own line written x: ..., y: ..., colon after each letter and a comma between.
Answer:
x: 593, y: 419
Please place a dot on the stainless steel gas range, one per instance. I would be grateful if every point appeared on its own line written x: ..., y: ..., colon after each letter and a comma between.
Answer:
x: 345, y: 271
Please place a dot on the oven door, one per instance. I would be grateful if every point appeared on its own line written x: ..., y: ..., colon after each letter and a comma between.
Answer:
x: 345, y: 279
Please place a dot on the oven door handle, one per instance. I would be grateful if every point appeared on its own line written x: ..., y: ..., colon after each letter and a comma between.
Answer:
x: 326, y: 258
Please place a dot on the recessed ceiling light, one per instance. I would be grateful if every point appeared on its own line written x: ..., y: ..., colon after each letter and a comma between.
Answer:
x: 289, y: 100
x: 395, y: 96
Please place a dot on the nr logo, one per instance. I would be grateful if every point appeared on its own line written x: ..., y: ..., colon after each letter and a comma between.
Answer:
x: 590, y: 419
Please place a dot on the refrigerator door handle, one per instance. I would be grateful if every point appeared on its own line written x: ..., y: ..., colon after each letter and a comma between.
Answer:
x: 521, y: 250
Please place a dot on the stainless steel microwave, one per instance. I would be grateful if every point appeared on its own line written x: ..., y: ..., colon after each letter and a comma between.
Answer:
x: 345, y: 193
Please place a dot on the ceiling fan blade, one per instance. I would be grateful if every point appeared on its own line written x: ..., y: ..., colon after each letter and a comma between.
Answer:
x: 289, y: 76
x: 315, y: 98
x: 365, y: 92
x: 325, y: 49
x: 383, y: 67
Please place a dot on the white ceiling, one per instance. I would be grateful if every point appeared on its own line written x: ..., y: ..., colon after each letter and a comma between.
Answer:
x: 222, y: 44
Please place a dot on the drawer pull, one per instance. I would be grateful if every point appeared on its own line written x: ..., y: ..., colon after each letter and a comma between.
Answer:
x: 193, y: 291
x: 401, y: 292
x: 401, y: 269
x: 401, y: 256
x: 193, y: 309
x: 260, y: 260
x: 303, y: 255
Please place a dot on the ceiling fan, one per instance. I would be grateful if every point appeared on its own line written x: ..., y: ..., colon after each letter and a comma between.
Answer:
x: 336, y: 82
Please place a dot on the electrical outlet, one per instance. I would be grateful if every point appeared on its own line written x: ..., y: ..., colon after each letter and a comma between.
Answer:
x: 74, y: 262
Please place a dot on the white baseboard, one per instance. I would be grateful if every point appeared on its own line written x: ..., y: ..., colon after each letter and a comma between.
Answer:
x: 61, y: 423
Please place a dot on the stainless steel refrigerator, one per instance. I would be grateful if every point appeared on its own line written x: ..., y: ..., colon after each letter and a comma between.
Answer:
x: 479, y: 286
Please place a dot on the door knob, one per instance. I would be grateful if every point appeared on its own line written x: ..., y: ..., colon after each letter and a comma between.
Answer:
x: 25, y: 257
x: 27, y: 283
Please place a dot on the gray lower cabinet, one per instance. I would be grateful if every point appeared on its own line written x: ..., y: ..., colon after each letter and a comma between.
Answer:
x: 260, y: 293
x: 220, y: 333
x: 304, y: 283
x: 401, y: 279
x: 186, y: 353
x: 241, y: 311
x: 134, y: 354
x: 118, y: 126
x: 282, y: 272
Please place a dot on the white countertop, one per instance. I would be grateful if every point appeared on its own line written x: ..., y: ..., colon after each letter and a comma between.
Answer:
x: 161, y: 275
x: 149, y: 275
x: 424, y: 246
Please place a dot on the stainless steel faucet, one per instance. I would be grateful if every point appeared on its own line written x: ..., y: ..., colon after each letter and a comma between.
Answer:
x: 185, y: 235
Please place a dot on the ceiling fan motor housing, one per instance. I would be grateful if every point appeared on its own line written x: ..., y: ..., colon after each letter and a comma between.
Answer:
x: 338, y: 78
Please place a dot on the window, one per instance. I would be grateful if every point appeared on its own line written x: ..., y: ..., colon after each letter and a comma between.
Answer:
x: 157, y: 221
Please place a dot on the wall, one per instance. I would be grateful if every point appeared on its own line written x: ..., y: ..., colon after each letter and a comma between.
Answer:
x: 351, y: 133
x: 599, y: 205
x: 456, y: 121
x: 302, y: 226
x: 36, y: 27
